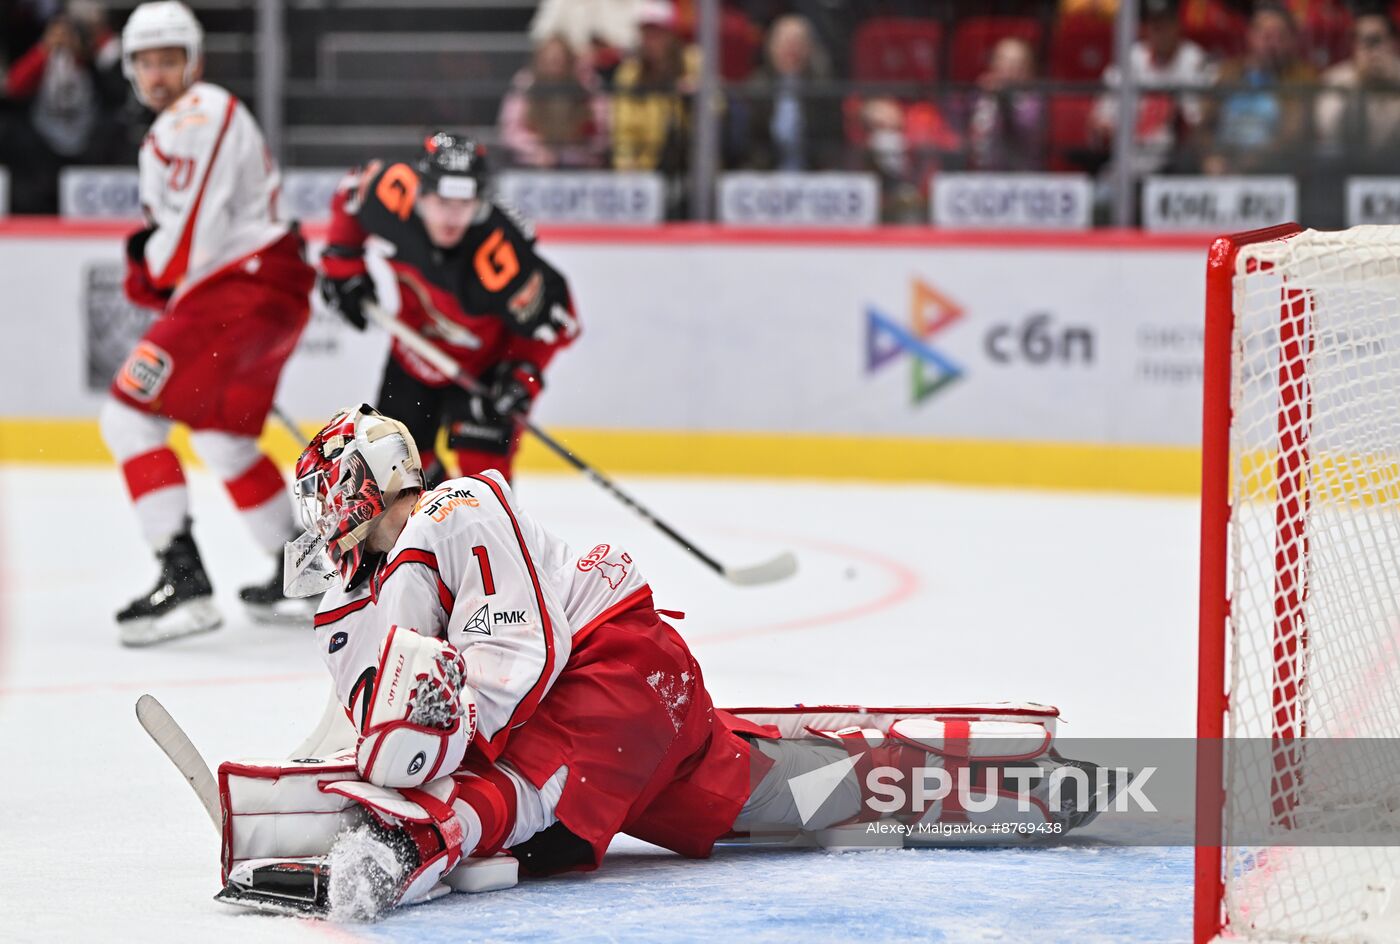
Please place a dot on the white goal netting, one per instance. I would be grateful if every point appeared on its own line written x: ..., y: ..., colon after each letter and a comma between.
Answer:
x: 1313, y: 640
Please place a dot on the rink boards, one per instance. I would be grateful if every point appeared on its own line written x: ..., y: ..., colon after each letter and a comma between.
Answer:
x: 1069, y: 361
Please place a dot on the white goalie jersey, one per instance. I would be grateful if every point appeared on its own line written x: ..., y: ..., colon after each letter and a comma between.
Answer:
x: 208, y: 185
x: 470, y: 568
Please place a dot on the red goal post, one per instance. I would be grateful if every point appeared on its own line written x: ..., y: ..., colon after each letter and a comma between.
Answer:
x: 1299, y: 589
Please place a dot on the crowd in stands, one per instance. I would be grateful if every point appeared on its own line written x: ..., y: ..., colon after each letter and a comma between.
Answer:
x: 1224, y: 87
x: 64, y: 98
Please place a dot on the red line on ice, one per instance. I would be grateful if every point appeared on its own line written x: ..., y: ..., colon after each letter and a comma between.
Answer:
x: 907, y: 583
x: 97, y: 687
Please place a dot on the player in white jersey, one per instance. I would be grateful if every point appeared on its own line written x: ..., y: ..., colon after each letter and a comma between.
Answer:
x: 505, y: 692
x: 232, y: 284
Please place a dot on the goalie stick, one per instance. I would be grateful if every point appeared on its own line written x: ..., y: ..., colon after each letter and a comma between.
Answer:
x: 780, y: 567
x: 176, y: 744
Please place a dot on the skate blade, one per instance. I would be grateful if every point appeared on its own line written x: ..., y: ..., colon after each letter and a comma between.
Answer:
x: 281, y: 614
x: 266, y: 903
x: 187, y: 619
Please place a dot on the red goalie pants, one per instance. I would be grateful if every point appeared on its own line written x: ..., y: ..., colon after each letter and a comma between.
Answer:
x: 212, y: 360
x: 648, y: 753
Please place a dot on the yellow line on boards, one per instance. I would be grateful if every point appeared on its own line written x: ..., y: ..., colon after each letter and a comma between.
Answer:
x: 1088, y: 467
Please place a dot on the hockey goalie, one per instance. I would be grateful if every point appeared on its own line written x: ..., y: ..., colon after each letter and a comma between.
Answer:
x: 506, y: 705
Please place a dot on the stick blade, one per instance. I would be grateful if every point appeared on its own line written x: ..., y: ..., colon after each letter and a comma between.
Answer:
x: 171, y: 739
x: 779, y: 568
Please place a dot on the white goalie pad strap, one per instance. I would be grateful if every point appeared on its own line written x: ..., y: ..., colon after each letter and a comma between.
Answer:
x: 277, y: 809
x: 388, y: 803
x: 801, y: 720
x: 983, y: 741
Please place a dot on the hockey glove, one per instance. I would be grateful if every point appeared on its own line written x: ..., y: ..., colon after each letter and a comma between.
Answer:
x: 510, y: 388
x: 136, y: 245
x: 348, y: 297
x: 140, y: 288
x: 422, y: 716
x: 345, y: 284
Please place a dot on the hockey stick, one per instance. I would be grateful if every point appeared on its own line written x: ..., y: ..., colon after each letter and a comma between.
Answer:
x: 288, y: 424
x: 176, y: 744
x: 780, y: 567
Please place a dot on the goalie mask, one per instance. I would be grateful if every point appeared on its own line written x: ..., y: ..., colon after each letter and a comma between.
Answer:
x: 347, y: 477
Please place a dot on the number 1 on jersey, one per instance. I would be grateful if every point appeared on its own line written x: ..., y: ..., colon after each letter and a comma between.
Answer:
x: 488, y: 585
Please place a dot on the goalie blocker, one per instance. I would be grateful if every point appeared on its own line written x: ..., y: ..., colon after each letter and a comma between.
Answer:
x: 289, y: 825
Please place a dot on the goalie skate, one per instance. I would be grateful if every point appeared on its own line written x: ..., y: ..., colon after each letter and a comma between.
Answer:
x: 285, y: 887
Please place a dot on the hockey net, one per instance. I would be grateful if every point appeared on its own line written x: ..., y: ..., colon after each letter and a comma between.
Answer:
x: 1300, y: 587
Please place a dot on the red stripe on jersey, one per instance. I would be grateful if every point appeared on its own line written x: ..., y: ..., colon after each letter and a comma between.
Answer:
x: 342, y: 611
x: 493, y: 746
x: 179, y: 262
x: 632, y: 599
x: 155, y: 149
x: 428, y: 559
x: 151, y: 471
x: 260, y: 482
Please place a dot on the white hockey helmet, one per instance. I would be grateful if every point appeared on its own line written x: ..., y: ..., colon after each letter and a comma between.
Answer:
x: 348, y: 475
x: 162, y: 24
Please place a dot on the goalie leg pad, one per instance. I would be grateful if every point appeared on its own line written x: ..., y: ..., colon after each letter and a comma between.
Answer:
x: 278, y: 809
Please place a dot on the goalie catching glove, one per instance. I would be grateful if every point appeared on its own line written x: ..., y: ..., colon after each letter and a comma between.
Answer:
x: 421, y: 715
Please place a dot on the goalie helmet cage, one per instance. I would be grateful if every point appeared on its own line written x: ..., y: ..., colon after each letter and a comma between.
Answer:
x: 1299, y: 583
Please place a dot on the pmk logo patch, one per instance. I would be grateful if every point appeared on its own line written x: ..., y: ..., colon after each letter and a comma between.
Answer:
x: 338, y: 641
x: 480, y: 621
x: 145, y: 372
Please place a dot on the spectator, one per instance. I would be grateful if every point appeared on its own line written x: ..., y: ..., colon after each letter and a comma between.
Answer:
x: 70, y: 87
x: 1259, y: 119
x: 1361, y: 121
x: 650, y: 116
x: 598, y: 31
x: 887, y: 154
x: 777, y: 124
x: 1006, y: 126
x: 1161, y: 60
x: 553, y: 116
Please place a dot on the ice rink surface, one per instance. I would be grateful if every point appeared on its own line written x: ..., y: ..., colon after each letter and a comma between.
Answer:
x: 905, y: 595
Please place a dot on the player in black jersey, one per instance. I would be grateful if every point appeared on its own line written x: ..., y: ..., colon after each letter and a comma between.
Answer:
x: 469, y: 279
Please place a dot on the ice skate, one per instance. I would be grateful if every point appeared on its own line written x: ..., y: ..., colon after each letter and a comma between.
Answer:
x: 267, y: 603
x: 180, y: 604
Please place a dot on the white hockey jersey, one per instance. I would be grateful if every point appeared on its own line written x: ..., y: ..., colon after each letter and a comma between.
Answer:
x: 209, y: 185
x: 471, y: 568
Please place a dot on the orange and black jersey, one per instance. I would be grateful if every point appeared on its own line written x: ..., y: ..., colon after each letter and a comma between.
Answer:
x: 494, y: 272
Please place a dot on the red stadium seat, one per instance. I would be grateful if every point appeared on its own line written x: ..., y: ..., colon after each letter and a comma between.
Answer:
x: 739, y: 43
x: 1069, y: 121
x: 1326, y: 37
x: 974, y: 37
x: 897, y: 49
x: 1220, y: 32
x: 1069, y: 128
x: 1082, y: 47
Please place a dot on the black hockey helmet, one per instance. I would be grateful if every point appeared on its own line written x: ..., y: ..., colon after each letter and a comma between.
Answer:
x: 452, y: 166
